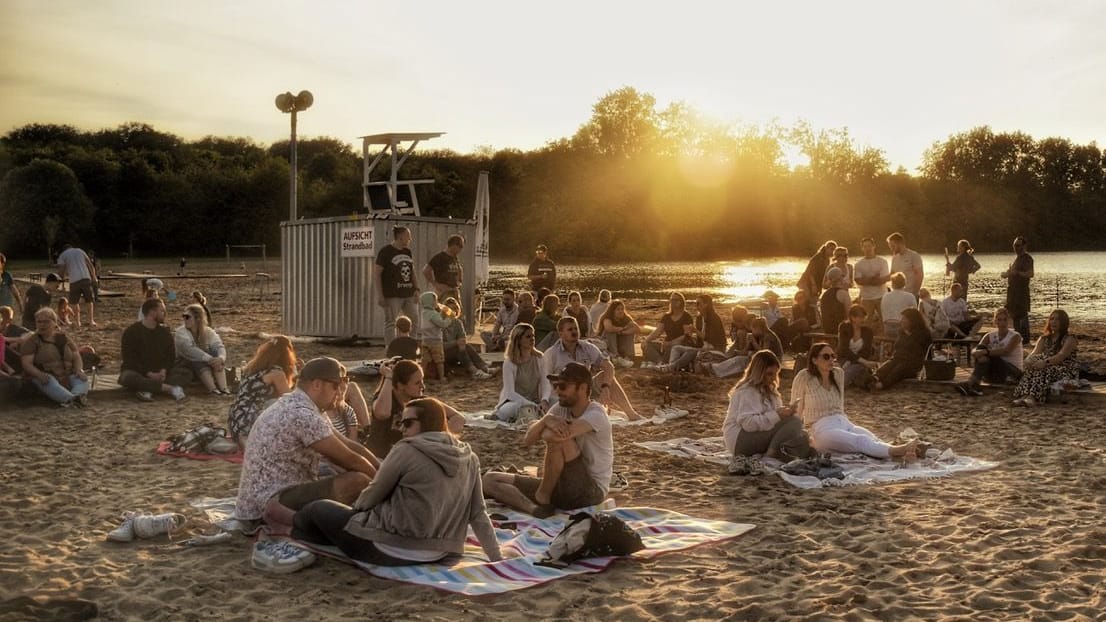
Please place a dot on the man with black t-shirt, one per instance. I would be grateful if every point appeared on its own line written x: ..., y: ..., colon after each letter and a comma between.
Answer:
x: 444, y: 271
x: 542, y: 272
x: 397, y: 288
x: 37, y: 297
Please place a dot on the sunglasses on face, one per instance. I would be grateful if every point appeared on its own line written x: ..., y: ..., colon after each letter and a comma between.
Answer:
x: 407, y: 422
x: 827, y: 356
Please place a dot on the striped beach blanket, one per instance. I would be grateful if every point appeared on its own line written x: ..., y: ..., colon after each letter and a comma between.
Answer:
x: 661, y: 415
x: 523, y: 539
x: 859, y: 469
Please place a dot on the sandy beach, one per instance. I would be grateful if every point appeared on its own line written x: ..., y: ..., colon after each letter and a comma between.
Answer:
x: 1023, y: 541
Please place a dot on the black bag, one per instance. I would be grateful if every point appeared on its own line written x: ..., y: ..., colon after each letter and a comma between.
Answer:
x: 591, y: 535
x: 938, y: 370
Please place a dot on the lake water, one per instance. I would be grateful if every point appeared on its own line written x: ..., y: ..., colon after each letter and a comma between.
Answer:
x: 1072, y: 281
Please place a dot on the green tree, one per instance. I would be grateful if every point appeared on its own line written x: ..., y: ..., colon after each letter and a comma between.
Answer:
x: 42, y: 203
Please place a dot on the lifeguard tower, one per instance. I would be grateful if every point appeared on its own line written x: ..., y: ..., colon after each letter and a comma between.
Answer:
x: 327, y: 274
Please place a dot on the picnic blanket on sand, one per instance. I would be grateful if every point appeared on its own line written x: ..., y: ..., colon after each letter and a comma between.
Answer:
x: 662, y: 414
x: 523, y: 539
x: 163, y: 450
x: 859, y: 469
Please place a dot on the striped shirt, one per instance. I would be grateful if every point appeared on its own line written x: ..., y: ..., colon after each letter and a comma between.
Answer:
x: 343, y: 419
x: 818, y: 401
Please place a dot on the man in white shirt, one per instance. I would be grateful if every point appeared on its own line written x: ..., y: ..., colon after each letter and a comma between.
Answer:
x: 906, y: 261
x: 579, y: 453
x: 962, y: 323
x: 871, y: 273
x: 75, y: 264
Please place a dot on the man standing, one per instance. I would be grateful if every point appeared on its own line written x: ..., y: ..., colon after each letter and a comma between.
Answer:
x: 148, y: 356
x: 579, y: 453
x: 871, y: 274
x: 906, y: 261
x: 568, y: 349
x: 397, y: 290
x: 280, y: 470
x: 444, y: 271
x: 1017, y: 288
x: 542, y: 272
x: 77, y: 266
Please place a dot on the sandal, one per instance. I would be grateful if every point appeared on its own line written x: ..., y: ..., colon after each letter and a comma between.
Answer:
x: 1019, y: 402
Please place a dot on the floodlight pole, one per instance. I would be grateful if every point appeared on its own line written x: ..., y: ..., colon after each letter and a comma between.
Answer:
x: 286, y: 102
x: 292, y: 173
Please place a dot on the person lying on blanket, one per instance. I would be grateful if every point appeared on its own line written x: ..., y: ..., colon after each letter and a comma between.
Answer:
x: 818, y: 393
x: 281, y: 465
x: 419, y: 506
x: 579, y: 453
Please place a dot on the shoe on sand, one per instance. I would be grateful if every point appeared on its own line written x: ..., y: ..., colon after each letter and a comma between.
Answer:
x: 124, y: 532
x: 280, y: 557
x: 144, y: 396
x: 739, y: 465
x: 146, y: 526
x: 177, y: 393
x: 755, y: 466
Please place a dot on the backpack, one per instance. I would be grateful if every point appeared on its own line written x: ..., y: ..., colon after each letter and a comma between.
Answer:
x: 591, y: 535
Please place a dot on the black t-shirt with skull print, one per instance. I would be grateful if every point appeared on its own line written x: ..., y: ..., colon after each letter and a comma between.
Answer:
x: 399, y: 272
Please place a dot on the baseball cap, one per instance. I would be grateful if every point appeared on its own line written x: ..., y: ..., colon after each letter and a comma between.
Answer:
x: 323, y: 368
x: 574, y: 372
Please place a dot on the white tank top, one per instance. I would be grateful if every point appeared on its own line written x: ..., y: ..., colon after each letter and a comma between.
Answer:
x: 994, y: 342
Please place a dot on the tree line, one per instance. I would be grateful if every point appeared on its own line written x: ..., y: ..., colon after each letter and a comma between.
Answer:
x: 635, y: 182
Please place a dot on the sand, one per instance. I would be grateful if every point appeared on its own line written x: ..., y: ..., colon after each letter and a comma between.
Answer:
x: 1022, y: 541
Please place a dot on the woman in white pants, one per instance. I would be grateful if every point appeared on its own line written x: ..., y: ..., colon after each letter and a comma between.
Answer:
x: 819, y: 391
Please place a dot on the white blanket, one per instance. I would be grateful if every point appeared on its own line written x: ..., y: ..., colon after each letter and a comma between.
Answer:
x: 859, y: 469
x: 662, y: 414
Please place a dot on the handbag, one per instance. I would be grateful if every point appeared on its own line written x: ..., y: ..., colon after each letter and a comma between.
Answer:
x: 938, y: 369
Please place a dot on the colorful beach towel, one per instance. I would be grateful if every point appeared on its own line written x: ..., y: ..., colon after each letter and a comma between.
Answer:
x: 662, y: 531
x: 163, y: 450
x: 662, y: 414
x: 859, y: 469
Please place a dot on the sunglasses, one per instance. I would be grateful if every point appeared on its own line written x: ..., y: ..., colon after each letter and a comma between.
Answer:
x: 827, y: 356
x: 407, y: 422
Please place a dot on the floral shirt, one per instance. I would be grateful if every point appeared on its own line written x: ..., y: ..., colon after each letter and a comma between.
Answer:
x: 279, y: 454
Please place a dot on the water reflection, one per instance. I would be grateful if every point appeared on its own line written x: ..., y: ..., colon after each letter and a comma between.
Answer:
x: 1073, y: 281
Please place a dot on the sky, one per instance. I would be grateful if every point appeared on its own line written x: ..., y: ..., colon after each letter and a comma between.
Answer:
x: 898, y: 75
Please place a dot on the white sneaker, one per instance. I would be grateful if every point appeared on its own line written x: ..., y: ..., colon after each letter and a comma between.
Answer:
x: 648, y: 365
x: 625, y: 363
x: 177, y: 393
x: 124, y: 532
x: 146, y: 526
x: 280, y: 557
x: 481, y: 375
x: 144, y: 396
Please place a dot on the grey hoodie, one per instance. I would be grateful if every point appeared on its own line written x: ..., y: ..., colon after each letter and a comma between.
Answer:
x: 424, y: 497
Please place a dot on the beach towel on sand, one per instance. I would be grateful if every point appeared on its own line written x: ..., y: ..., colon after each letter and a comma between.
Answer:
x: 662, y: 414
x: 859, y: 469
x: 527, y: 538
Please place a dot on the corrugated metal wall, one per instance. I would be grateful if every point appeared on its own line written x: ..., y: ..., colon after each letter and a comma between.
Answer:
x: 326, y: 295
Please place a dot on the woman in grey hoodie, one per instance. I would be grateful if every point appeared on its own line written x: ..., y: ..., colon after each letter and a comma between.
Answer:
x: 419, y: 506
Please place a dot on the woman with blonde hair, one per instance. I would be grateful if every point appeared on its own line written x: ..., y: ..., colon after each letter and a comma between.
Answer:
x: 757, y: 422
x: 618, y: 328
x: 201, y: 350
x: 267, y: 376
x: 523, y: 380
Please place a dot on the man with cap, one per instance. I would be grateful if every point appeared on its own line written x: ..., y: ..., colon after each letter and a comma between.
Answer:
x: 579, y: 453
x: 37, y: 297
x: 280, y: 471
x: 1017, y: 288
x: 570, y: 348
x: 542, y: 272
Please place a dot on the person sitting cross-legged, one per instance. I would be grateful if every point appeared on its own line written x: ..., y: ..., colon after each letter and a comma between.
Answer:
x: 998, y: 357
x: 579, y: 453
x: 148, y: 356
x: 280, y: 470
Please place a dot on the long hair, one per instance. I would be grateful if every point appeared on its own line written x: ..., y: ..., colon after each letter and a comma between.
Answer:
x: 274, y: 352
x: 199, y: 321
x: 550, y: 305
x: 812, y: 356
x: 615, y: 305
x: 430, y: 412
x: 676, y: 296
x: 1059, y: 337
x: 756, y: 375
x: 915, y: 318
x: 514, y: 342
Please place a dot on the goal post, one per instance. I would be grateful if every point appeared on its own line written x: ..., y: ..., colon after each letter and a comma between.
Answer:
x: 255, y: 248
